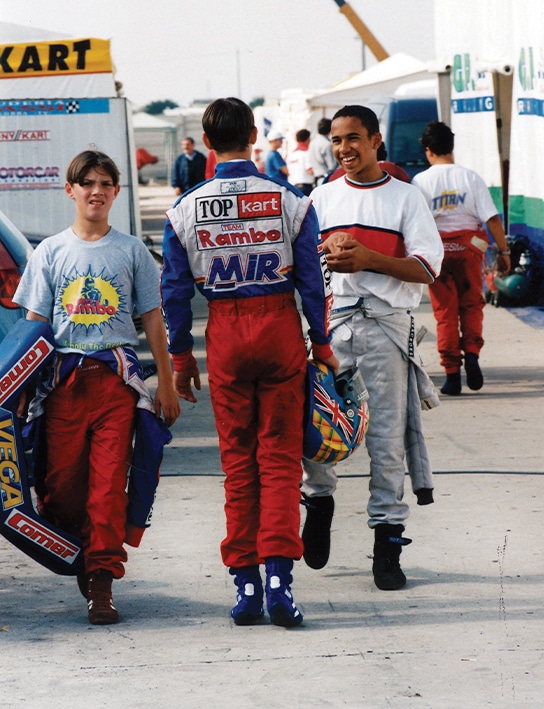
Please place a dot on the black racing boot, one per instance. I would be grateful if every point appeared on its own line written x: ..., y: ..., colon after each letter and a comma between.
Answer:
x: 452, y: 385
x: 475, y: 378
x: 316, y: 534
x: 388, y: 543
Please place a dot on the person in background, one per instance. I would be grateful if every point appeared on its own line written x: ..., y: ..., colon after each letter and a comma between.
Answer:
x: 462, y: 207
x: 189, y: 168
x: 258, y: 160
x: 320, y: 156
x: 256, y: 355
x: 382, y: 246
x: 274, y: 165
x: 211, y: 162
x: 143, y: 158
x: 298, y: 164
x: 390, y: 167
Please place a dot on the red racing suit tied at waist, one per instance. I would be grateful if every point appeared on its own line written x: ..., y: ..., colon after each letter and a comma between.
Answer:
x: 474, y: 239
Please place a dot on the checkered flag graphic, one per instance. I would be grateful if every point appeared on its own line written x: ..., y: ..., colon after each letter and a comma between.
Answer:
x: 72, y: 107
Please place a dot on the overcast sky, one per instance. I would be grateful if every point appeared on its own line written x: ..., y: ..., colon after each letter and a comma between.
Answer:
x: 198, y: 49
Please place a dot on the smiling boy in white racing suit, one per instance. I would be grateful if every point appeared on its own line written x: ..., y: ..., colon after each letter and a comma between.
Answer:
x: 382, y: 245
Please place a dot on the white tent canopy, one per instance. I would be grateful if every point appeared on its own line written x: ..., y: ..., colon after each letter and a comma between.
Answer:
x: 382, y: 79
x: 145, y: 121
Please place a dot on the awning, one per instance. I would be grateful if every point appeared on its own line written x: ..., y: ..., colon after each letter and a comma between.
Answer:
x: 384, y: 78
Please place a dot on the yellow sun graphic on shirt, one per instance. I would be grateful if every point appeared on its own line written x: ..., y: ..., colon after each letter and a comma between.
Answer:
x: 90, y: 300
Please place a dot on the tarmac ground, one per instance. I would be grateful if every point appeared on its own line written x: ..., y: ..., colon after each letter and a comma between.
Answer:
x: 466, y: 631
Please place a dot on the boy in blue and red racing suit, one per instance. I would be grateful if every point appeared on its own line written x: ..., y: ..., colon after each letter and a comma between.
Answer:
x: 247, y: 242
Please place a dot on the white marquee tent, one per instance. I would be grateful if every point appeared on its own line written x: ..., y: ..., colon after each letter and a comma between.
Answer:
x: 382, y: 79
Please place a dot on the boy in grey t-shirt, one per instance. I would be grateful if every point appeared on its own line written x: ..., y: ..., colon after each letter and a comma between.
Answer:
x: 86, y: 281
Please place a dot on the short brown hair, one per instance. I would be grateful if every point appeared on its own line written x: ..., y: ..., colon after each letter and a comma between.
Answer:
x: 87, y: 160
x: 228, y: 123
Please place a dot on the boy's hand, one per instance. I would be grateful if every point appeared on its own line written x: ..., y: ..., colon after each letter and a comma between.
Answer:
x: 346, y: 254
x: 335, y: 243
x: 167, y: 403
x: 503, y: 264
x: 22, y: 404
x: 182, y: 382
x: 332, y: 363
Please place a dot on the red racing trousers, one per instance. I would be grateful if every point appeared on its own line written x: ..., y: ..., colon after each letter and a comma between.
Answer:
x: 458, y: 305
x: 256, y: 360
x: 90, y: 418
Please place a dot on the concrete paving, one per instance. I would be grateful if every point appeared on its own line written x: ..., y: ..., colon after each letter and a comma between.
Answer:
x: 466, y: 631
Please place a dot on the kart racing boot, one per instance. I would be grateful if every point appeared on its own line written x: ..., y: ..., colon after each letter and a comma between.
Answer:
x: 388, y: 543
x: 99, y: 599
x: 316, y: 534
x: 249, y: 607
x: 452, y: 384
x: 279, y: 599
x: 475, y: 378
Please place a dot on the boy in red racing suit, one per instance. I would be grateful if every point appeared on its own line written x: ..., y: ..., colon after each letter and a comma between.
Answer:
x: 86, y: 281
x: 461, y: 206
x: 247, y: 242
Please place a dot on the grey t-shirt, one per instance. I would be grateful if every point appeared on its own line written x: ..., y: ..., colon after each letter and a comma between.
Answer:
x: 89, y: 289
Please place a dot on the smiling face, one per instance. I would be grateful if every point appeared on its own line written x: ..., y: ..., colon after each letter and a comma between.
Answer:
x: 355, y: 150
x: 94, y: 195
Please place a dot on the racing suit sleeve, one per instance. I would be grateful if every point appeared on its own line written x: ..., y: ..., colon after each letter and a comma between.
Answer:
x: 312, y: 281
x: 177, y: 290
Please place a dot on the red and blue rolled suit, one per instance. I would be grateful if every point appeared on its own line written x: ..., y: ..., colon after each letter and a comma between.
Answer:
x: 26, y: 349
x: 24, y: 353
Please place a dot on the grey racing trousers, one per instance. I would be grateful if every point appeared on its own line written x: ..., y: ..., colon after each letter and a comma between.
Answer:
x: 380, y: 340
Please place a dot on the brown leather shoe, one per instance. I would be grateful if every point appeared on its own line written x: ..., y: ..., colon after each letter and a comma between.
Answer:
x: 99, y: 599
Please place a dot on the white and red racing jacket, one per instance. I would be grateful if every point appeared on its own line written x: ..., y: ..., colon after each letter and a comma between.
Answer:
x: 241, y: 235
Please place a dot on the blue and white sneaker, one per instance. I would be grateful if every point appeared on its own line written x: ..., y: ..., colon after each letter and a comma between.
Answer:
x: 279, y: 599
x: 249, y: 607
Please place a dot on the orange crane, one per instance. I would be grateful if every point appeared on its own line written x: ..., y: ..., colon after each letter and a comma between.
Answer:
x: 362, y: 30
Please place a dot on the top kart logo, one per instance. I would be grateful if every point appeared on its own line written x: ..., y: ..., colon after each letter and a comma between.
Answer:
x: 22, y: 370
x: 259, y: 204
x: 253, y: 205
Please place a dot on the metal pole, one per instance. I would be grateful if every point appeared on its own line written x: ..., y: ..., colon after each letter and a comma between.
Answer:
x: 238, y: 74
